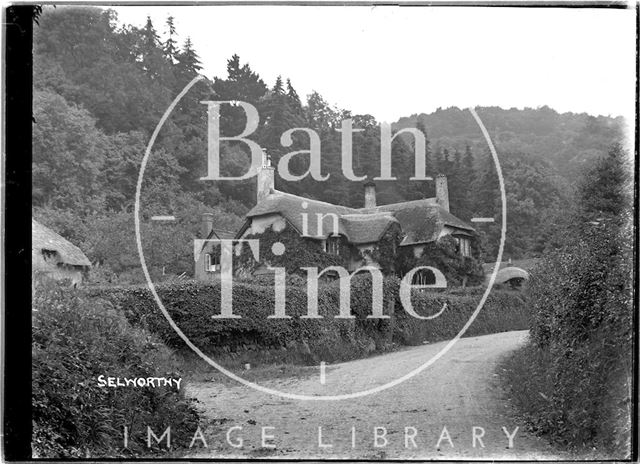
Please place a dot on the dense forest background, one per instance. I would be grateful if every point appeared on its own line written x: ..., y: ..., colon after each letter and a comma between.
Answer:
x: 101, y: 88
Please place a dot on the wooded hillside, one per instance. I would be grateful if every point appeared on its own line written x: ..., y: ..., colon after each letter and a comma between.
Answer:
x: 100, y: 89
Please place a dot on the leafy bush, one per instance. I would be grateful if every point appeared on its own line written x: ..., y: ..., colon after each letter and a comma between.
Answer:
x: 502, y: 312
x: 308, y: 253
x: 75, y: 340
x: 443, y: 255
x: 192, y: 305
x: 582, y: 325
x: 392, y: 259
x: 581, y: 299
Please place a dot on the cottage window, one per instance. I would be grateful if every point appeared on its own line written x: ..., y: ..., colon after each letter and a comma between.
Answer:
x: 48, y: 254
x: 333, y: 245
x: 424, y: 277
x: 463, y: 246
x: 211, y: 262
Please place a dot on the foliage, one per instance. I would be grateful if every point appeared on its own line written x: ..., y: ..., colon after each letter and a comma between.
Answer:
x: 67, y: 150
x: 385, y: 251
x: 192, y: 305
x: 393, y: 260
x: 535, y: 198
x: 503, y: 311
x: 581, y: 301
x: 299, y: 252
x: 109, y: 240
x: 443, y: 255
x: 567, y: 141
x: 101, y: 88
x: 76, y: 339
x: 99, y: 91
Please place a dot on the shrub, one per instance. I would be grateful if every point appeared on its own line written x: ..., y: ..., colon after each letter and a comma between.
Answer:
x: 581, y: 310
x: 530, y: 385
x: 582, y: 320
x: 443, y: 255
x: 301, y: 252
x: 502, y: 311
x: 76, y: 339
x: 192, y: 305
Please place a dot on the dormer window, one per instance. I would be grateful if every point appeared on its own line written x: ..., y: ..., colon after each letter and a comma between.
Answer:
x: 333, y: 246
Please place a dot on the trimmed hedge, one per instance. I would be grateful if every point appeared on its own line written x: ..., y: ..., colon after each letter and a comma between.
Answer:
x: 75, y: 340
x: 503, y: 311
x: 192, y: 305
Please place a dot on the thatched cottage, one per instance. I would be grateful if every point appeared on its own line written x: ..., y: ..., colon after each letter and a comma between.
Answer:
x: 56, y: 257
x: 335, y: 226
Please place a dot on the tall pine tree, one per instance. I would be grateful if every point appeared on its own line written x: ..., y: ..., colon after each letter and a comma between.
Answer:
x: 151, y: 53
x: 189, y: 64
x: 294, y: 99
x: 278, y: 87
x: 170, y: 46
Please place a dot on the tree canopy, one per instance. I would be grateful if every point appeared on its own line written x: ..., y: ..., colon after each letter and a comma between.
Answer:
x: 100, y: 90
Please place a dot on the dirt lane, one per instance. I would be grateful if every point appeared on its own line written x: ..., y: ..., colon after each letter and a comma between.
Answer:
x: 459, y: 392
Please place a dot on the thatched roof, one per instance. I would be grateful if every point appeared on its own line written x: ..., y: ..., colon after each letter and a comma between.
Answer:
x: 421, y: 221
x: 43, y: 238
x: 509, y: 273
x: 220, y: 234
x: 525, y: 264
x: 366, y: 228
x: 516, y: 269
x: 292, y: 208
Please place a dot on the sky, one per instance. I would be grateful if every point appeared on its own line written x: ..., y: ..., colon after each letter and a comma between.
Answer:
x: 391, y: 61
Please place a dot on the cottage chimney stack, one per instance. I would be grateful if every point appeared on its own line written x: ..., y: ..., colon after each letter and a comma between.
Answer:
x: 442, y: 191
x: 370, y: 195
x: 206, y: 225
x: 266, y: 178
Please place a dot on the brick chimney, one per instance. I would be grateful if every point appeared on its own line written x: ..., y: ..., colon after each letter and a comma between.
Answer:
x: 442, y: 191
x: 206, y: 226
x: 266, y: 178
x: 370, y: 194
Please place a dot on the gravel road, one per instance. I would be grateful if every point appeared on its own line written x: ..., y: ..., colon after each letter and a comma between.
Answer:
x: 431, y: 416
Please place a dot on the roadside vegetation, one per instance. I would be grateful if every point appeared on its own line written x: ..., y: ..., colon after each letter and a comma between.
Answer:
x: 258, y: 339
x: 573, y: 380
x: 75, y: 340
x: 80, y: 334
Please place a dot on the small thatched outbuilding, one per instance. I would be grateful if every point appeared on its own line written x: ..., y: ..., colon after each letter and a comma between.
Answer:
x: 514, y: 272
x: 53, y: 255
